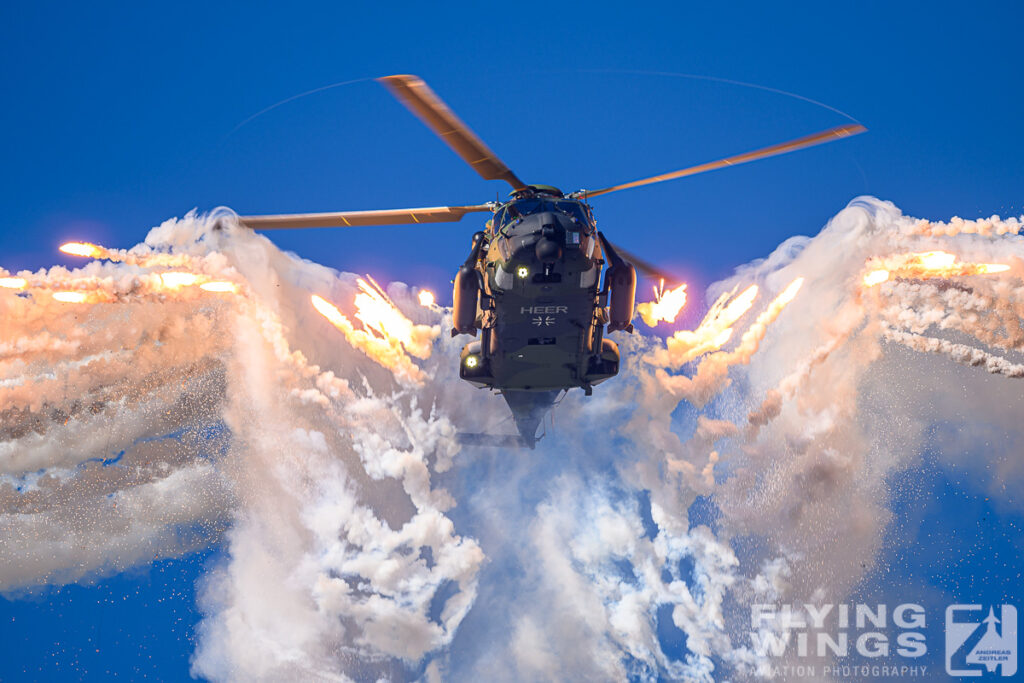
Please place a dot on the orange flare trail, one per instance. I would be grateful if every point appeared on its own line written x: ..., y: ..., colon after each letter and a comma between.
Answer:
x: 385, y: 352
x: 150, y: 260
x: 713, y: 371
x: 925, y: 265
x: 712, y: 333
x: 752, y: 337
x: 387, y: 336
x: 376, y: 311
x: 330, y: 311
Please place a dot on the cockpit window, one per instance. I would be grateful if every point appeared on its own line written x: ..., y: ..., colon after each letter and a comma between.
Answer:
x: 525, y: 207
x: 499, y: 219
x: 575, y: 210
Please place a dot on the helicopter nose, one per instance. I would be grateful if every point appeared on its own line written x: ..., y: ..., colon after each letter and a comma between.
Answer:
x: 548, y: 250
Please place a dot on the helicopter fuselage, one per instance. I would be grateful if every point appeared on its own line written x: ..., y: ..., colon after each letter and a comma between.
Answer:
x: 534, y: 282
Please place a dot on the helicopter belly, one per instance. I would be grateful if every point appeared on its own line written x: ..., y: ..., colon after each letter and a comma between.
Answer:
x: 543, y: 343
x: 537, y: 368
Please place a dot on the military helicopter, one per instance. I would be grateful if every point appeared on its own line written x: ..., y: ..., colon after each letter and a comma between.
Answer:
x: 531, y: 285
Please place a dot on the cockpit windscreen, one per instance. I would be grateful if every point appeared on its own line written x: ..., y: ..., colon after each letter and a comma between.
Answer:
x: 525, y: 207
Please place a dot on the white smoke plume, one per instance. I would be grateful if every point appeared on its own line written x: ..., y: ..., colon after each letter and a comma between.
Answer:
x: 360, y: 542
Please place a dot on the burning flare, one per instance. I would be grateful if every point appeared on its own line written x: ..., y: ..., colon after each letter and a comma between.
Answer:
x: 13, y: 282
x: 665, y: 307
x: 426, y: 298
x: 176, y: 279
x: 219, y: 286
x: 924, y: 265
x: 83, y: 249
x: 71, y: 297
x: 876, y: 277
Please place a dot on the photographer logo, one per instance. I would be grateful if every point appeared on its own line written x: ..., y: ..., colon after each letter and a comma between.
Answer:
x: 980, y: 641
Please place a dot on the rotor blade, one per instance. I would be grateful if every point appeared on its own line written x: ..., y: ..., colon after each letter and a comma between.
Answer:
x: 781, y: 148
x: 337, y: 219
x: 646, y: 268
x: 421, y: 101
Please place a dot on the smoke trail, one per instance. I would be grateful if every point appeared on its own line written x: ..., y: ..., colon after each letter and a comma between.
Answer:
x: 360, y: 541
x: 961, y: 353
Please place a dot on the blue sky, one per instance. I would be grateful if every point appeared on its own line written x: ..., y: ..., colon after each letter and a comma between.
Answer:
x: 116, y: 118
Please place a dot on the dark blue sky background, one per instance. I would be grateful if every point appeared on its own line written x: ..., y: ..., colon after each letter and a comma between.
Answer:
x: 116, y: 117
